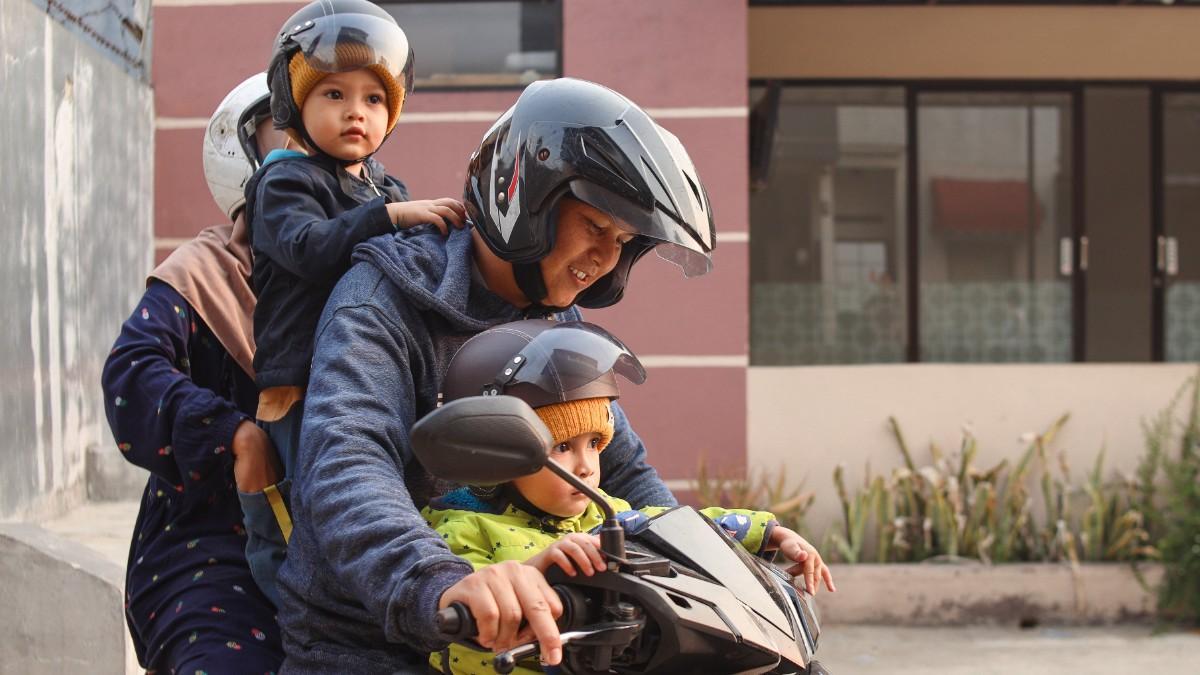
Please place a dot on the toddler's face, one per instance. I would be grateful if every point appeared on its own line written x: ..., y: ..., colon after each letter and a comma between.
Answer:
x: 579, y: 455
x: 346, y: 114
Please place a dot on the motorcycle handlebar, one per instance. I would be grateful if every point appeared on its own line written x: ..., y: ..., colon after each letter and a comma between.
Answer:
x: 455, y: 622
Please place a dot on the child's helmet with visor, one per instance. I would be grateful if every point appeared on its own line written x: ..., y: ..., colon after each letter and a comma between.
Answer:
x: 573, y: 137
x: 333, y: 36
x: 541, y: 362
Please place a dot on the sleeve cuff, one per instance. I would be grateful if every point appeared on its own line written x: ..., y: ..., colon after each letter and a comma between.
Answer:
x: 377, y: 216
x: 766, y: 537
x: 223, y: 435
x: 425, y: 591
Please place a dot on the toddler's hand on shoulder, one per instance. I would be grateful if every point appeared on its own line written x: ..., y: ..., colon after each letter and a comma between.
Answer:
x: 444, y: 213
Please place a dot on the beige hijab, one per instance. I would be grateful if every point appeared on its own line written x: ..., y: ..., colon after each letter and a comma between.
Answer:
x: 212, y: 272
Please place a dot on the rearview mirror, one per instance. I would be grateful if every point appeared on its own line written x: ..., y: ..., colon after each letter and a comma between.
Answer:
x: 482, y: 440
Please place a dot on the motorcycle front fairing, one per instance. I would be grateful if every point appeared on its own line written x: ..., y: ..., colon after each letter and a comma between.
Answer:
x: 690, y: 539
x: 715, y: 609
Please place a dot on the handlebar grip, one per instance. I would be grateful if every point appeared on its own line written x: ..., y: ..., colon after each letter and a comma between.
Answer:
x: 504, y: 663
x: 455, y: 622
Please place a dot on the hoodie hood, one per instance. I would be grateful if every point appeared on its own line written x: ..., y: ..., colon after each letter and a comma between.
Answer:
x: 437, y: 273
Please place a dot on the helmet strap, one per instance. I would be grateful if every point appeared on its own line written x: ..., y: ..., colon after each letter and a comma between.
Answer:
x: 529, y: 280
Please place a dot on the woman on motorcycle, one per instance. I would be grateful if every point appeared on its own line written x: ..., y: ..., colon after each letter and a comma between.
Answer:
x: 180, y: 399
x: 567, y: 373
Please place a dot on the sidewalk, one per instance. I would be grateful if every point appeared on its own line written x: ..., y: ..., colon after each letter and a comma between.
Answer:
x: 104, y: 527
x: 64, y: 588
x: 988, y: 650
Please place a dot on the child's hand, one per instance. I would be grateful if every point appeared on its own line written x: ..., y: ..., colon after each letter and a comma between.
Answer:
x: 255, y: 462
x: 797, y: 549
x: 583, y: 549
x: 443, y: 213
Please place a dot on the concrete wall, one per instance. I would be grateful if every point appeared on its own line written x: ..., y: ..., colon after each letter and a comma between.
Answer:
x: 77, y: 201
x: 811, y: 419
x: 62, y: 607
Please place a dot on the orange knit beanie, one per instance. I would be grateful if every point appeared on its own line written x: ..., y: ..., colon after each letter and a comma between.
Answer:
x: 568, y: 420
x: 305, y: 77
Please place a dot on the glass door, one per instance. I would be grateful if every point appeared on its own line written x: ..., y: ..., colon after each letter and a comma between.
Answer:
x: 1177, y: 243
x: 994, y: 190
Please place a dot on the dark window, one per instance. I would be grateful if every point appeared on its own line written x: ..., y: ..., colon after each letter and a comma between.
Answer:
x: 845, y: 210
x: 481, y: 44
x: 994, y: 197
x: 827, y: 220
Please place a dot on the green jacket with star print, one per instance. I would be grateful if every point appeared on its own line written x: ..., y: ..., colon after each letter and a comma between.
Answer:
x: 484, y: 538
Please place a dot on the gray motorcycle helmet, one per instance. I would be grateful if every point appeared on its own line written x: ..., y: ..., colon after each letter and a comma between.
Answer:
x: 573, y: 137
x: 542, y: 362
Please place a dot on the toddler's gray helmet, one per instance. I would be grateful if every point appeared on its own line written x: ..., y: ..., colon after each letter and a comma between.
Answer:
x: 541, y: 362
x: 578, y: 138
x: 230, y: 149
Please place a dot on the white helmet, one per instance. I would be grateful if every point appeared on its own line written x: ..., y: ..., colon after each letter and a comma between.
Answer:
x: 230, y: 151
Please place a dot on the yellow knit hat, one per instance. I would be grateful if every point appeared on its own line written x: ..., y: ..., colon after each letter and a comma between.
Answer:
x: 305, y: 77
x: 568, y: 420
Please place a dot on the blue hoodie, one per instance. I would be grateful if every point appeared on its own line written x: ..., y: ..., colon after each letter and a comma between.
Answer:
x: 364, y: 573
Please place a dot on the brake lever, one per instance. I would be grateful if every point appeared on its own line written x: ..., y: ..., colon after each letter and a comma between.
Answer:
x: 506, y: 661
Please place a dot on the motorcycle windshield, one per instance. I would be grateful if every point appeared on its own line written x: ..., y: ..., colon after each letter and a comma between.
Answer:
x: 696, y: 540
x: 570, y: 355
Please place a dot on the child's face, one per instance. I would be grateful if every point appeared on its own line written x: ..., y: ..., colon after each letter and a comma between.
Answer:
x: 346, y: 114
x: 587, y: 245
x: 579, y: 455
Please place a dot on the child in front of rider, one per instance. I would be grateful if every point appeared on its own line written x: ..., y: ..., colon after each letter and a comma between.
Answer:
x: 339, y: 75
x: 540, y: 519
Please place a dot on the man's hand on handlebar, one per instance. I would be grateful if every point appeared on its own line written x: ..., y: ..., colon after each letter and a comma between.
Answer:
x: 503, y: 595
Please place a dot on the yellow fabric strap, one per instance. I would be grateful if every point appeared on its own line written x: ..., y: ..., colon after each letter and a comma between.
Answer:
x: 281, y: 513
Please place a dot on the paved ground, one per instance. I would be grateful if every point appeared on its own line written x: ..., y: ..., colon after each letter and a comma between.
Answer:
x: 859, y: 650
x: 871, y: 650
x: 105, y: 527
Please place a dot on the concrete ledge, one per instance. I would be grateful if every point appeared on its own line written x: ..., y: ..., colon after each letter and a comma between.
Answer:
x: 63, y: 606
x: 110, y: 477
x: 955, y: 594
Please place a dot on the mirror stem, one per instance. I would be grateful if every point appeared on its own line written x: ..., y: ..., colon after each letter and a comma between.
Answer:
x: 612, y: 535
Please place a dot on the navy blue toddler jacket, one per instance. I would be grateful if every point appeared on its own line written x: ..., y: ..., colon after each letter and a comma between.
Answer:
x: 306, y: 215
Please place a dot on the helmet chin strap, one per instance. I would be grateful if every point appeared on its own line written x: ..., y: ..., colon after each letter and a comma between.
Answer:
x: 529, y: 280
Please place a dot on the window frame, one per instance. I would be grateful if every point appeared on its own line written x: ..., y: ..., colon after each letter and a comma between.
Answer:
x: 913, y: 89
x: 458, y: 88
x: 1158, y: 90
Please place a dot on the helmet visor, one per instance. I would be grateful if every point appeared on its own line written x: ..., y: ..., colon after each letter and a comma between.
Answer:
x: 342, y: 42
x: 569, y: 356
x: 673, y: 241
